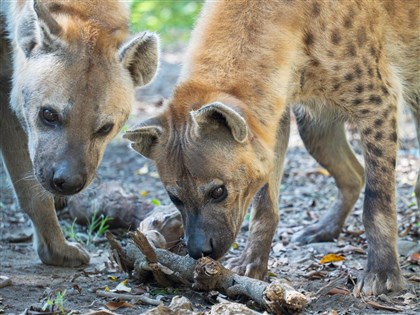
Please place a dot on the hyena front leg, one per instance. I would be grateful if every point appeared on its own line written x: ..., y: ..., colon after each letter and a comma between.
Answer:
x: 379, y: 137
x: 49, y: 240
x: 327, y: 143
x: 264, y: 214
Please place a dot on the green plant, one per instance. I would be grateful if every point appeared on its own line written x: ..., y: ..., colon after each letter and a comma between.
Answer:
x: 56, y: 303
x: 70, y: 232
x: 97, y: 225
x: 173, y: 20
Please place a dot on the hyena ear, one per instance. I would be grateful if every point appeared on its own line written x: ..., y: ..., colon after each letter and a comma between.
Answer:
x: 37, y: 27
x: 140, y: 56
x: 220, y: 112
x: 145, y: 136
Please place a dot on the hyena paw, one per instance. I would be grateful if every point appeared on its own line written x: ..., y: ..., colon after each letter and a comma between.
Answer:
x: 251, y: 267
x: 375, y: 283
x: 315, y: 233
x: 68, y: 254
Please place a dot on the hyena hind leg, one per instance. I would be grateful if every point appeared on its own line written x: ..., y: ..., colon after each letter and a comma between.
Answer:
x: 327, y: 143
x: 415, y: 109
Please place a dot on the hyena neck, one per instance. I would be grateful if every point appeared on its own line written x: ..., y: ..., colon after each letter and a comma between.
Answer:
x: 246, y: 63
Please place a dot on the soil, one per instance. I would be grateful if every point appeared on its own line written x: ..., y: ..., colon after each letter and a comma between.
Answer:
x: 307, y: 191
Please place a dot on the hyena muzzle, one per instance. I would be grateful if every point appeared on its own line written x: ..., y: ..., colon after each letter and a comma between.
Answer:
x: 68, y: 69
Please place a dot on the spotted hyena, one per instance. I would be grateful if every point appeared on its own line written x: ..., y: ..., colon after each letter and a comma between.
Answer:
x: 68, y: 69
x: 221, y: 140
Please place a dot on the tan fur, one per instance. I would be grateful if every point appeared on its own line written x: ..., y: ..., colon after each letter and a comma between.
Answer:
x: 333, y: 61
x: 75, y: 59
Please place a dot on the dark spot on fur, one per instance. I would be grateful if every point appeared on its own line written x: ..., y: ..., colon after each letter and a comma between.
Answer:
x: 393, y: 137
x: 330, y: 53
x: 302, y: 80
x: 349, y: 77
x: 384, y: 169
x: 387, y: 197
x: 357, y: 101
x: 358, y: 71
x: 367, y: 131
x: 379, y: 122
x: 335, y: 37
x: 370, y: 87
x: 348, y: 22
x: 376, y: 99
x: 336, y: 68
x: 309, y: 39
x: 370, y: 72
x: 351, y: 50
x: 372, y: 51
x: 393, y: 162
x: 336, y: 86
x: 365, y: 111
x: 384, y: 90
x: 378, y: 136
x: 359, y: 88
x: 361, y: 36
x: 378, y: 74
x: 316, y: 9
x: 376, y: 151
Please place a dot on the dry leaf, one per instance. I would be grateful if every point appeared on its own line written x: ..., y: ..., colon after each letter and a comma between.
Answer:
x: 114, y: 305
x: 414, y: 258
x: 341, y: 291
x: 330, y: 258
x: 383, y: 307
x: 122, y: 287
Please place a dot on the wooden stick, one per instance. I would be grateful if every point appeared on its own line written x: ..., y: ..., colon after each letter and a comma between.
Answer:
x: 207, y: 274
x: 125, y: 296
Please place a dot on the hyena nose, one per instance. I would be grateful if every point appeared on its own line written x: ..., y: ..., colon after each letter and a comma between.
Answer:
x: 199, y: 246
x: 67, y: 184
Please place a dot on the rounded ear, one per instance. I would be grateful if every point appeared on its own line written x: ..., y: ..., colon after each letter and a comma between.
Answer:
x: 140, y: 56
x: 230, y: 116
x: 145, y: 136
x: 37, y: 27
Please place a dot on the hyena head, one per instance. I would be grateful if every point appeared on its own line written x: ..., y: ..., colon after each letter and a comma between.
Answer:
x: 211, y: 166
x: 73, y: 85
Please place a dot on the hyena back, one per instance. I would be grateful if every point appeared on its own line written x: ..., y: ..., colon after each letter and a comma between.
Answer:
x: 69, y: 69
x: 221, y: 140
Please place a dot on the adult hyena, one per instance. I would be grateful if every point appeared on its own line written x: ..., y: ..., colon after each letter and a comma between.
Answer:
x: 220, y: 142
x: 68, y: 69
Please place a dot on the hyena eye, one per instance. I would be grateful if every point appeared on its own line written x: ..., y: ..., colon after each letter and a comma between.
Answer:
x: 106, y: 129
x: 219, y: 193
x: 49, y: 116
x: 176, y: 201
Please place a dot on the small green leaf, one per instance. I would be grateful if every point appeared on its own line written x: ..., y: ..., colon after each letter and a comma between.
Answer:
x: 155, y: 202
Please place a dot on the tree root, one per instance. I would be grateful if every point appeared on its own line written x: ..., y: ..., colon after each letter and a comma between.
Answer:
x: 205, y: 274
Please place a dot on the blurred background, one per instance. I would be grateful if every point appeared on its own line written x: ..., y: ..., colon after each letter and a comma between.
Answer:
x: 171, y: 19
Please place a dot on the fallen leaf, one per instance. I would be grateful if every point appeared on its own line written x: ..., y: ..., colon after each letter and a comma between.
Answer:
x: 235, y: 245
x: 341, y: 291
x: 143, y: 193
x: 112, y: 278
x: 122, y: 287
x: 316, y: 275
x: 414, y: 278
x: 383, y: 307
x: 329, y: 258
x: 414, y: 258
x: 114, y: 305
x: 143, y: 170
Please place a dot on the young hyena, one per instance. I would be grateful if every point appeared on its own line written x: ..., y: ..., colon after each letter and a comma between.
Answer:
x: 221, y: 140
x: 69, y: 69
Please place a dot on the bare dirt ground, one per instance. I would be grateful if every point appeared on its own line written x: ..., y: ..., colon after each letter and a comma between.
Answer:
x: 306, y: 192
